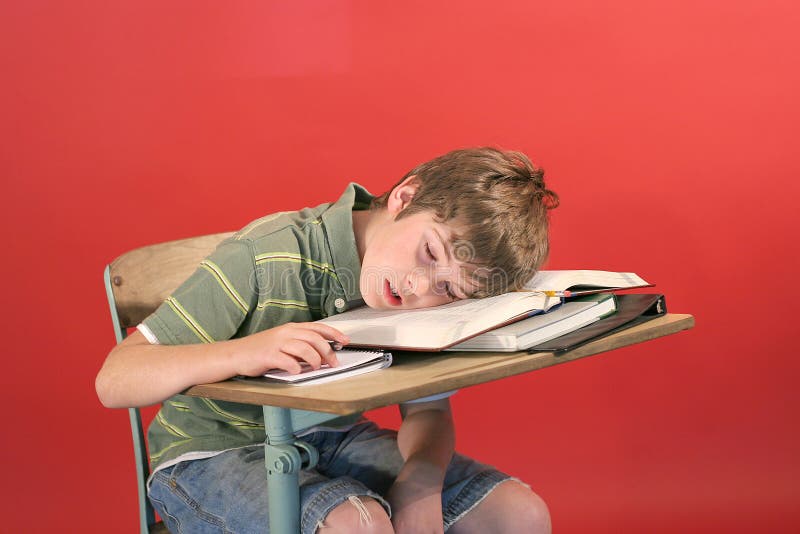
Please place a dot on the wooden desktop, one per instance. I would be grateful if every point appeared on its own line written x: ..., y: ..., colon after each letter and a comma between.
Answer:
x: 290, y: 409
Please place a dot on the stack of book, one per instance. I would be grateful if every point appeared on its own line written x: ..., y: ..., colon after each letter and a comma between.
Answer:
x: 550, y: 306
x: 555, y: 312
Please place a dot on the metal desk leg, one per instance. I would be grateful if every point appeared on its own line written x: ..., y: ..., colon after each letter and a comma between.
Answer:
x: 283, y: 465
x: 284, y: 456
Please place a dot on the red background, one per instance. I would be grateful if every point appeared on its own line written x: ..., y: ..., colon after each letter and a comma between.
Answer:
x: 670, y: 130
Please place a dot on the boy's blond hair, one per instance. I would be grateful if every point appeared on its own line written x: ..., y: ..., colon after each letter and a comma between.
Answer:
x: 497, y: 204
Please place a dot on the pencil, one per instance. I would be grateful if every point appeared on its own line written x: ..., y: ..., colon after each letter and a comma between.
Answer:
x: 547, y: 293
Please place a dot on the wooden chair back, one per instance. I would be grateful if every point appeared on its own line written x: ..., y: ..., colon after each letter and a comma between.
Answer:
x: 136, y: 284
x: 142, y: 278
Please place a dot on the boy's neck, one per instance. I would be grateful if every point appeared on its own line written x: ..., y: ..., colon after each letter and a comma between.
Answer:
x: 364, y: 224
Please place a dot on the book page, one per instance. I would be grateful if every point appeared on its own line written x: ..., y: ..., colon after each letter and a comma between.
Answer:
x: 563, y: 280
x: 461, y: 310
x: 438, y: 326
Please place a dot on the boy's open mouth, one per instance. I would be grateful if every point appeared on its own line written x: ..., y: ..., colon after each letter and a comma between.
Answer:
x: 390, y: 295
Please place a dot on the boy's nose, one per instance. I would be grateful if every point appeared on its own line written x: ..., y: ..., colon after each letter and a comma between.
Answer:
x: 417, y: 283
x: 423, y: 286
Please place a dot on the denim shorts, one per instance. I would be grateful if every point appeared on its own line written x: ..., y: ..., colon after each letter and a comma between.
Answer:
x: 228, y: 492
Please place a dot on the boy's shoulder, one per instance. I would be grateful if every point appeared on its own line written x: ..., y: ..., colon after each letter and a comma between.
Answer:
x: 273, y: 225
x: 336, y: 214
x: 323, y: 233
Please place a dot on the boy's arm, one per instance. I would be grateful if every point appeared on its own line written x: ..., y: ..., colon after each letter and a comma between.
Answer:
x: 137, y: 373
x: 426, y: 440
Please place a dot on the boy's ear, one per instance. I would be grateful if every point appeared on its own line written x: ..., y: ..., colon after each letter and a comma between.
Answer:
x: 401, y: 195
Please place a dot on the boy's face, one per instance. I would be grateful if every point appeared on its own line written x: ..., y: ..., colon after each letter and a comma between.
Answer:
x: 409, y: 263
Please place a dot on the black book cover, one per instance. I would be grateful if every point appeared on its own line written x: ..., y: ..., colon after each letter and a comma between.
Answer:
x: 631, y: 310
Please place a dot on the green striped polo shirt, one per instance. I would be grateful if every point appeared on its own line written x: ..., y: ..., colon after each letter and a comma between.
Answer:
x: 286, y: 267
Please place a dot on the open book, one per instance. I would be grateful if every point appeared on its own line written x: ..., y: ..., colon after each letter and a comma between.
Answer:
x: 435, y: 329
x: 584, y: 282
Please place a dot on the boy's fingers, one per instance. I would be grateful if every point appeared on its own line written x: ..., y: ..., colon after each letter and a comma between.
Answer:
x: 331, y: 358
x: 321, y: 345
x: 328, y: 332
x: 303, y: 350
x: 327, y: 351
x: 320, y: 342
x: 287, y: 363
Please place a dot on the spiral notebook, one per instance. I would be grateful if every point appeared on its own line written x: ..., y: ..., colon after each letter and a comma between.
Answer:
x: 351, y: 363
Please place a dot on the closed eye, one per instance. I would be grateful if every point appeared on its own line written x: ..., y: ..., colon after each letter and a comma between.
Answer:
x: 447, y: 287
x: 450, y: 291
x: 428, y: 251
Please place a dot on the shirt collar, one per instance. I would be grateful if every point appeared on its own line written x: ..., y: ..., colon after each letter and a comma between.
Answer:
x: 338, y: 225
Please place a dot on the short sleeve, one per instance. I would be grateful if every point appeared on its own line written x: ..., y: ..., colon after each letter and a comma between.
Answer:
x: 213, y: 302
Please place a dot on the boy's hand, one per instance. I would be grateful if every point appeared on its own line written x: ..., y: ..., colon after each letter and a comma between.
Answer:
x: 284, y: 347
x: 426, y: 441
x: 416, y: 503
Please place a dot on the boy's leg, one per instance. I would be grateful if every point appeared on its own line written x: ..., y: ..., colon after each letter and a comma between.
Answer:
x: 364, y: 515
x: 509, y: 507
x: 479, y: 498
x: 474, y: 495
x: 228, y: 493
